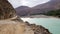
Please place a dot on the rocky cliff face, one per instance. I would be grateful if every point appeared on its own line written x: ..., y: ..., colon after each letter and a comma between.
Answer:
x: 6, y: 10
x: 14, y: 25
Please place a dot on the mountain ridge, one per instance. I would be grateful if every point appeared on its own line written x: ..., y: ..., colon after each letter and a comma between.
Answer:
x: 42, y: 8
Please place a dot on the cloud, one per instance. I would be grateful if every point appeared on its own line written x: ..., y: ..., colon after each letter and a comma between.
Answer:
x: 29, y: 3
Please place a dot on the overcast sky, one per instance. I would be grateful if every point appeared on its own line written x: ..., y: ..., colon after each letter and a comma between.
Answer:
x: 30, y: 3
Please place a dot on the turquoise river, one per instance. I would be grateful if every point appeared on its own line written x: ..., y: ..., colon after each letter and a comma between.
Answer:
x: 53, y: 24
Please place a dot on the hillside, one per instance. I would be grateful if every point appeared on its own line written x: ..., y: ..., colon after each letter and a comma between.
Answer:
x: 41, y: 8
x: 51, y: 5
x: 22, y: 10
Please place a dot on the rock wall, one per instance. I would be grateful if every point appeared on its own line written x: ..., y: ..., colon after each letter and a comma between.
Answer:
x: 6, y: 10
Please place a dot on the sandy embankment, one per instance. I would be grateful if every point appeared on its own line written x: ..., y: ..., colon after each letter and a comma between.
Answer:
x: 13, y: 27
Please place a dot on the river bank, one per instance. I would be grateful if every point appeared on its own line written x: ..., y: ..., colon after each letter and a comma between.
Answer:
x: 53, y: 24
x: 16, y: 26
x: 39, y: 16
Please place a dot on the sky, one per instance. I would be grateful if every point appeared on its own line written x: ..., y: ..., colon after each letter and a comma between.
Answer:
x: 30, y: 3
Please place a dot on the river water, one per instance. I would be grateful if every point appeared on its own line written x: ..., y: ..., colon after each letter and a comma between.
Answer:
x: 53, y: 24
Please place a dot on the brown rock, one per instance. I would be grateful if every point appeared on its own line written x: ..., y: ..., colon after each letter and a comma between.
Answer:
x: 6, y: 10
x: 38, y: 29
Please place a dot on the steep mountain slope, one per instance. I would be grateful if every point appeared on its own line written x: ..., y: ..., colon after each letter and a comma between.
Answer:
x: 51, y: 5
x: 22, y: 10
x: 42, y: 8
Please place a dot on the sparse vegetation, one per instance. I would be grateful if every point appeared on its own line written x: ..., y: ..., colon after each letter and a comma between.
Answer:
x: 54, y: 13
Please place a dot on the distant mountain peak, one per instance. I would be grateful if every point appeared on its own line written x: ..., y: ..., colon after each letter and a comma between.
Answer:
x: 41, y: 8
x: 53, y: 4
x: 55, y: 0
x: 23, y: 7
